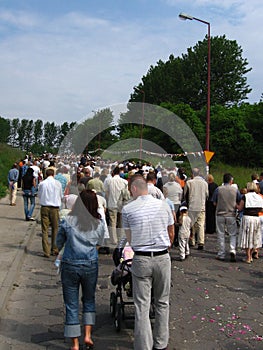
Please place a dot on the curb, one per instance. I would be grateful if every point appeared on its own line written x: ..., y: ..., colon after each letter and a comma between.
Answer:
x: 15, y: 268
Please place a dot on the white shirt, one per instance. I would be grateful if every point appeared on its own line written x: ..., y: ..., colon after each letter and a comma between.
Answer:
x: 36, y: 170
x: 184, y: 229
x: 148, y: 219
x: 155, y: 191
x: 113, y: 189
x: 50, y: 192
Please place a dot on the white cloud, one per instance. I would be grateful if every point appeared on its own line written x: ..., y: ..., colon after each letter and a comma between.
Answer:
x: 19, y: 19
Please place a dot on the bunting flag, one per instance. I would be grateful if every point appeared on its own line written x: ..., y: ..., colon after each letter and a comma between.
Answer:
x: 208, y: 156
x: 163, y: 155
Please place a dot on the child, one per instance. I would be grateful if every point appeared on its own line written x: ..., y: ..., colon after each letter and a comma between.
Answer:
x: 184, y: 233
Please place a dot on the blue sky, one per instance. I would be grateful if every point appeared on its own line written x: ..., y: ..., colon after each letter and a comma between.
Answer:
x: 62, y: 59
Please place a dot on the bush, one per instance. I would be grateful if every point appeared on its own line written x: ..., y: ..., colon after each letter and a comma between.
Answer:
x: 8, y: 156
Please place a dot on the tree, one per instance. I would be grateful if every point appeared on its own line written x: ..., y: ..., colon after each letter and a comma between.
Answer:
x: 5, y: 129
x: 93, y: 133
x: 230, y: 138
x: 14, y: 125
x: 185, y: 79
x: 50, y: 134
x: 29, y: 131
x: 253, y: 119
x: 38, y: 131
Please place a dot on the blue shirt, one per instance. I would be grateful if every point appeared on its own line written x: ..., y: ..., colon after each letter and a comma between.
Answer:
x: 80, y: 246
x: 61, y: 178
x: 13, y: 175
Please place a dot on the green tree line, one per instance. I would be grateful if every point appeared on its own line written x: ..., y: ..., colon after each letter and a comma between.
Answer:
x: 33, y: 136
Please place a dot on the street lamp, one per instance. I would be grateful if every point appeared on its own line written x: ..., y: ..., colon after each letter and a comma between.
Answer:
x: 184, y: 17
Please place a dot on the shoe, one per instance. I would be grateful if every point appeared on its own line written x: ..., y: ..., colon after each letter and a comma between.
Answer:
x: 54, y: 252
x: 247, y: 261
x: 200, y: 247
x: 160, y: 349
x: 255, y: 255
x: 233, y: 257
x: 104, y: 250
x: 220, y: 258
x: 46, y: 256
x: 32, y: 219
x: 13, y: 204
x: 27, y: 219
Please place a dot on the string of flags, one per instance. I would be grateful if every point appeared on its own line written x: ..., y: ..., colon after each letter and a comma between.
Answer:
x: 163, y: 155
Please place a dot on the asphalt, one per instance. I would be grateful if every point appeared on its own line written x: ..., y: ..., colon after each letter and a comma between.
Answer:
x: 213, y: 304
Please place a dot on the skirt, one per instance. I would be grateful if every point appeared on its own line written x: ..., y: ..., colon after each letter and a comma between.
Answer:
x: 250, y: 232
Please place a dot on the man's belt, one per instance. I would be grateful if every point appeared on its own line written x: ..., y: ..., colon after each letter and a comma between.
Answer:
x: 162, y: 252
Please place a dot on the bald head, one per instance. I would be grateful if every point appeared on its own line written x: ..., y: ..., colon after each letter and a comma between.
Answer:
x: 196, y: 172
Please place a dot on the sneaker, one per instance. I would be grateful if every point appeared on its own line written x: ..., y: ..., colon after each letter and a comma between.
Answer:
x: 32, y: 219
x: 233, y: 257
x: 220, y: 258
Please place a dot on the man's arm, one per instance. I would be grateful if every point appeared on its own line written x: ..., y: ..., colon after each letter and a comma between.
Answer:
x: 128, y: 235
x: 170, y: 230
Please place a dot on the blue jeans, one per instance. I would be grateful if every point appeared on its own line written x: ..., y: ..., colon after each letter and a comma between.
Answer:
x: 74, y: 276
x: 27, y: 197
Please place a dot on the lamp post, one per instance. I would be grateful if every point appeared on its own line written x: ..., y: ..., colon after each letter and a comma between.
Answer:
x: 185, y: 16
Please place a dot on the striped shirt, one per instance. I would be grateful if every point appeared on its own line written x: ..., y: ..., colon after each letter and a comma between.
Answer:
x: 148, y: 219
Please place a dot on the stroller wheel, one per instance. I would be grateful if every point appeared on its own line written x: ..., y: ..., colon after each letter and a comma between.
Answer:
x: 118, y: 318
x: 113, y: 303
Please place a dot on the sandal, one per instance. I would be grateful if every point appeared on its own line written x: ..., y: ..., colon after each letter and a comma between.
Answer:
x: 255, y: 255
x: 89, y: 347
x: 247, y: 261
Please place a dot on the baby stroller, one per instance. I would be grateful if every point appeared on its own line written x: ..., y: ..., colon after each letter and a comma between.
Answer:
x: 121, y: 278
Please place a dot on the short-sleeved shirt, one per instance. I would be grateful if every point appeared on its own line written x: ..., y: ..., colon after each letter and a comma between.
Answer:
x: 148, y: 219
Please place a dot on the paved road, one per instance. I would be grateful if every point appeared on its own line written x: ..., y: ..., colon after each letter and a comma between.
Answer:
x: 214, y: 305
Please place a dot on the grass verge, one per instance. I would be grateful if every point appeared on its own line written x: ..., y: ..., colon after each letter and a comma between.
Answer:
x: 8, y: 156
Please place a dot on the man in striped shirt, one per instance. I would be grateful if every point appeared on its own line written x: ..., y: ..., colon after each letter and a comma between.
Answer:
x: 149, y: 227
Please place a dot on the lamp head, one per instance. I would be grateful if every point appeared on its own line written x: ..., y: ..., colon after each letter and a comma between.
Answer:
x: 185, y: 16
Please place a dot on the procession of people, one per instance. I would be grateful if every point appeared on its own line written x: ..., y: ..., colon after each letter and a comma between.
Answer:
x: 87, y: 203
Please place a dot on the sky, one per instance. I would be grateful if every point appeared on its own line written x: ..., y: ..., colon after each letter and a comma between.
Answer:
x: 63, y: 59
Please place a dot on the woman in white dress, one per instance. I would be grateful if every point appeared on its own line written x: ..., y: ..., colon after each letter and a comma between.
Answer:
x: 250, y: 230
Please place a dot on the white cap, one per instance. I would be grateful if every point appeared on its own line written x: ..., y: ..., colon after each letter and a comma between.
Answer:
x: 183, y: 208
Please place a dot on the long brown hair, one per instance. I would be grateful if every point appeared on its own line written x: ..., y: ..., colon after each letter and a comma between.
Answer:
x: 86, y: 211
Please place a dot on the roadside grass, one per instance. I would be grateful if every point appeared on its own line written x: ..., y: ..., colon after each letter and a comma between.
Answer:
x: 241, y: 175
x: 8, y: 156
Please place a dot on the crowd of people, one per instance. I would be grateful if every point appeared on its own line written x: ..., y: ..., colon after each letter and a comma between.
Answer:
x: 91, y: 204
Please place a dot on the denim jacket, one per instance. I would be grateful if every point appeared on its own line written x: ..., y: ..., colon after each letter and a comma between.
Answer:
x: 80, y: 246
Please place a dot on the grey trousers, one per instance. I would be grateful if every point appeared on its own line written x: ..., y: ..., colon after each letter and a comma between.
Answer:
x: 226, y: 224
x: 151, y: 275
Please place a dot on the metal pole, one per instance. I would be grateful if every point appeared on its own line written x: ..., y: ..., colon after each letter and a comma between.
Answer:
x: 143, y: 101
x: 207, y: 142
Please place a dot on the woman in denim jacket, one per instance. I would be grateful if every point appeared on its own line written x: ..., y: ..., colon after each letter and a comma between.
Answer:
x: 81, y: 232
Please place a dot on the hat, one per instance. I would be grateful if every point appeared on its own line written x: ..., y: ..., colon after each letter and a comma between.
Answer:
x: 183, y: 208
